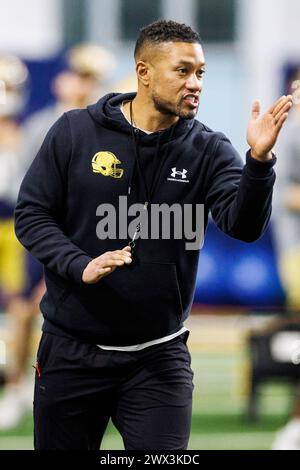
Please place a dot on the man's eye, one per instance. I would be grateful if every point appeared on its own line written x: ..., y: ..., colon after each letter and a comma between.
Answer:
x: 182, y: 70
x: 201, y: 73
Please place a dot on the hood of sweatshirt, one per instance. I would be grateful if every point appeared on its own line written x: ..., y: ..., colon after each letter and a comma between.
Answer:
x: 107, y: 112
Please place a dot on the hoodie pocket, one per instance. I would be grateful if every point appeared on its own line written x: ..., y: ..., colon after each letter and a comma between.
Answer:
x: 134, y: 304
x: 150, y: 287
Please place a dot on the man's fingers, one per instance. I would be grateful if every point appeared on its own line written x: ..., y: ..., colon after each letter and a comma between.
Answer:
x: 103, y: 270
x: 279, y: 124
x: 119, y: 252
x: 274, y: 105
x: 98, y: 274
x: 108, y: 262
x: 121, y: 256
x: 284, y: 109
x: 106, y: 272
x: 255, y: 109
x: 279, y: 107
x: 115, y: 262
x: 112, y: 255
x: 282, y: 104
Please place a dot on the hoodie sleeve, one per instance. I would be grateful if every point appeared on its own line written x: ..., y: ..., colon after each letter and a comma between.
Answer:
x: 240, y: 196
x: 40, y: 209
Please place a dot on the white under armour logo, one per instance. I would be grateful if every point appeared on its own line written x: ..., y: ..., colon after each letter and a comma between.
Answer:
x: 182, y: 173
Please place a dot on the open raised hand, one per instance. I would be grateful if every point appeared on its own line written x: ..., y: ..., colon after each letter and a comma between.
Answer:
x: 263, y: 130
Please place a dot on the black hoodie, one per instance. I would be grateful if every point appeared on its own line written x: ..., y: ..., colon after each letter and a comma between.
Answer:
x: 55, y: 219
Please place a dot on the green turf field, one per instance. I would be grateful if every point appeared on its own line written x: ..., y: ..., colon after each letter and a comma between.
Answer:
x: 218, y: 409
x: 218, y: 345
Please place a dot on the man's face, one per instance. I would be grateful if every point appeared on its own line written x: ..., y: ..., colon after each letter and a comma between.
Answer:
x: 176, y: 78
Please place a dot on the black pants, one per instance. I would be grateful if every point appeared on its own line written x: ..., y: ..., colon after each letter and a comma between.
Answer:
x: 79, y: 387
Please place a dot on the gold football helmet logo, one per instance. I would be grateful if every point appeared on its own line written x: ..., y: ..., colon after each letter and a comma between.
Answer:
x: 106, y: 164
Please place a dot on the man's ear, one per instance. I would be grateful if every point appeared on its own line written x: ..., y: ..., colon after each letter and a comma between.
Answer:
x: 143, y: 72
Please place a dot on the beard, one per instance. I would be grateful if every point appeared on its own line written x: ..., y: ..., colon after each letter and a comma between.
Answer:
x: 170, y: 109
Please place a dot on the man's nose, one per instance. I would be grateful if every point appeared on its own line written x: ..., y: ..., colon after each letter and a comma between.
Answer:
x: 194, y: 83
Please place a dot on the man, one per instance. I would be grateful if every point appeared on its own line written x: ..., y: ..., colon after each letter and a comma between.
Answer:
x: 114, y: 342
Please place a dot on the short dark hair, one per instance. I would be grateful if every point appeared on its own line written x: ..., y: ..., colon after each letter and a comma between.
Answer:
x: 165, y: 31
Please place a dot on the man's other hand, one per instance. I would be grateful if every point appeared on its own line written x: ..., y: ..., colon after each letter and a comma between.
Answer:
x: 106, y: 264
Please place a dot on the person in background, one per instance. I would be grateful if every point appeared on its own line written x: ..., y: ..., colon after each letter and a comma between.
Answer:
x: 14, y: 77
x: 286, y: 223
x: 87, y: 67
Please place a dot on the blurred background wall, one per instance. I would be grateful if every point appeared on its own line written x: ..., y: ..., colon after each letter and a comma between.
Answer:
x: 247, y: 43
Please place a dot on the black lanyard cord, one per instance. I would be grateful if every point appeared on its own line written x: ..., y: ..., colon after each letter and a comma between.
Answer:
x: 149, y: 191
